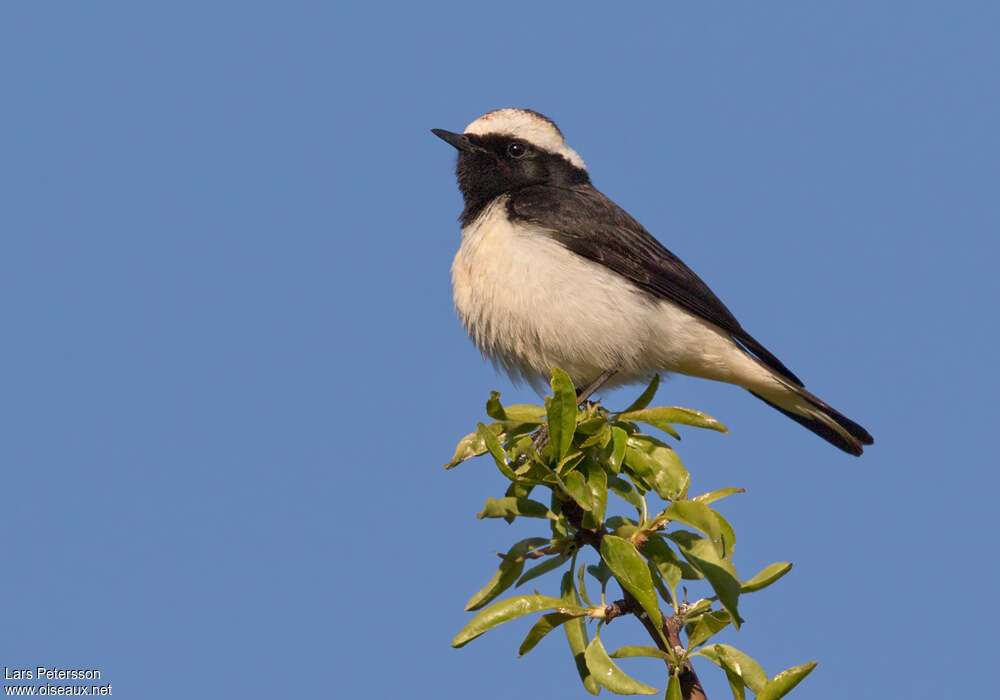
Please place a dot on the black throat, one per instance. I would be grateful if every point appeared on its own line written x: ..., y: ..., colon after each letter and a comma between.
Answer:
x: 492, y: 170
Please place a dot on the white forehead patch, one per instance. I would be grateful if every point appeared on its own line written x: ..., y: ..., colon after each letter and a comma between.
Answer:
x: 529, y: 126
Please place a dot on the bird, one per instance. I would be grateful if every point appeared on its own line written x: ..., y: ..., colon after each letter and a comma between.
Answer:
x: 552, y: 273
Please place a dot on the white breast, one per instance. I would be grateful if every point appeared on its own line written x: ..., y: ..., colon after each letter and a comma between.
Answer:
x: 529, y: 304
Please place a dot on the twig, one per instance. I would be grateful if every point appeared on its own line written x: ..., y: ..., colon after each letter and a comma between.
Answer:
x: 690, y: 685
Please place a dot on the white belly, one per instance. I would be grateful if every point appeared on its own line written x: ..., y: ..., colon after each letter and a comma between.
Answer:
x: 529, y: 305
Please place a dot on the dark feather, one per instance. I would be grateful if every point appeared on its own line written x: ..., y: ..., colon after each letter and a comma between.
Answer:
x: 592, y: 226
x: 860, y: 435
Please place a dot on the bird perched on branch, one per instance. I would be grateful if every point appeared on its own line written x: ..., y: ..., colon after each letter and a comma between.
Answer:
x: 551, y: 273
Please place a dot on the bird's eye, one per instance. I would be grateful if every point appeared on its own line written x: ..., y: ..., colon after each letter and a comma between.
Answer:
x: 517, y: 150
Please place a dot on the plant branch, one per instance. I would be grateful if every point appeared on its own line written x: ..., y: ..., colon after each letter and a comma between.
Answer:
x: 671, y: 626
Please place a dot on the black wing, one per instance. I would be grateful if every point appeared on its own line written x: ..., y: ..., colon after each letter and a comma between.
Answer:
x: 594, y: 227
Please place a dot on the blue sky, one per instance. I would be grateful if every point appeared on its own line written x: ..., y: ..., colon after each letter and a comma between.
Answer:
x: 232, y: 370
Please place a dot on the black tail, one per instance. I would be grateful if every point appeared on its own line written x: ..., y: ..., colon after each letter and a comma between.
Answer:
x: 851, y: 443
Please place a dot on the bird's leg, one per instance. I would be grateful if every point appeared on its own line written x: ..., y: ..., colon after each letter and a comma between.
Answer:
x: 582, y: 396
x: 542, y: 434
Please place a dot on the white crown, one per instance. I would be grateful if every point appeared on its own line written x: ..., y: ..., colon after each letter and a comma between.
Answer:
x: 529, y: 126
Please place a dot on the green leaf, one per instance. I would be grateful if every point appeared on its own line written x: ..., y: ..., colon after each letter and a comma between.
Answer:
x: 766, y: 577
x: 592, y: 426
x: 621, y: 527
x: 649, y: 417
x: 559, y: 527
x: 496, y: 451
x: 537, y: 473
x: 599, y: 439
x: 673, y: 688
x: 666, y: 595
x: 601, y: 572
x: 713, y: 496
x: 619, y: 441
x: 735, y: 661
x: 546, y: 623
x: 503, y: 507
x: 657, y: 465
x: 581, y: 585
x: 671, y: 568
x: 721, y: 573
x: 666, y: 415
x: 700, y: 517
x: 629, y: 567
x: 519, y: 489
x: 707, y: 626
x: 510, y: 568
x: 728, y: 535
x: 545, y: 567
x: 736, y: 685
x: 570, y: 462
x: 576, y: 486
x: 663, y: 558
x: 782, y: 683
x: 472, y: 445
x: 597, y: 489
x: 609, y: 675
x: 494, y: 409
x: 699, y: 608
x: 525, y: 413
x: 506, y: 610
x: 629, y: 652
x: 624, y: 490
x: 646, y: 396
x: 561, y: 410
x: 576, y: 635
x: 641, y: 487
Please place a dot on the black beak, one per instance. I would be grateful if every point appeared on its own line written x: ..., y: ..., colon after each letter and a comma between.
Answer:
x: 459, y: 141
